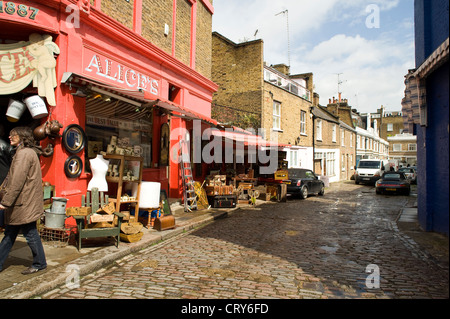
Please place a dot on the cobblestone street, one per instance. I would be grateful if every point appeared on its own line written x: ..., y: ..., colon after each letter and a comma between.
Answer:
x: 317, y: 248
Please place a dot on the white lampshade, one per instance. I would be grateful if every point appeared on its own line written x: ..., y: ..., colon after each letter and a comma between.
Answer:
x: 149, y: 196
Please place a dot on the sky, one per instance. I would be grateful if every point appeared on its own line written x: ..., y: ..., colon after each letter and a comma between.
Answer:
x: 365, y: 45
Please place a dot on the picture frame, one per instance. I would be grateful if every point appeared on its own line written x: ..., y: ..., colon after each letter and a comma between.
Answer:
x: 74, y: 138
x: 73, y: 166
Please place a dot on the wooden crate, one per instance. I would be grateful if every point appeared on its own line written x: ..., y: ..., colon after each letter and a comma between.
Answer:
x: 78, y: 211
x: 100, y: 218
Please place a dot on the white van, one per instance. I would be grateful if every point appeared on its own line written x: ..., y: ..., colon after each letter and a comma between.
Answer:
x: 369, y: 170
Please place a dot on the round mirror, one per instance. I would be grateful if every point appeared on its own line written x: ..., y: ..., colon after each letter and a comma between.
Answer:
x: 73, y: 166
x: 73, y: 138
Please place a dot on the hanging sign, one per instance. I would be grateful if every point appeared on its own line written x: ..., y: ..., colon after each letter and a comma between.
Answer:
x: 26, y: 61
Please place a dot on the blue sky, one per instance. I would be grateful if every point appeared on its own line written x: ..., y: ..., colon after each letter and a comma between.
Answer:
x: 370, y: 42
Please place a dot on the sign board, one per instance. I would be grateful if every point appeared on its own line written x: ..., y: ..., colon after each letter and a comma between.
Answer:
x: 26, y: 61
x: 111, y: 71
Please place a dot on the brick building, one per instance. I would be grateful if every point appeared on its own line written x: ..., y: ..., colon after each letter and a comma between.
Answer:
x: 391, y: 124
x: 334, y: 141
x: 121, y: 68
x: 326, y: 144
x: 252, y: 94
x: 403, y: 147
x: 369, y: 144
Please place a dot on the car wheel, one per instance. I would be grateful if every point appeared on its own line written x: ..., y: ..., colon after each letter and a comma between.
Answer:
x: 322, y: 190
x: 304, y: 192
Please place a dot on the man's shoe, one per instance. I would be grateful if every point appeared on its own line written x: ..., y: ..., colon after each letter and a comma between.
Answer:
x: 31, y: 270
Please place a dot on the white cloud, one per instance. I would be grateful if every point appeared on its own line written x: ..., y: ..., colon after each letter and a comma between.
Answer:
x: 329, y: 37
x: 372, y: 70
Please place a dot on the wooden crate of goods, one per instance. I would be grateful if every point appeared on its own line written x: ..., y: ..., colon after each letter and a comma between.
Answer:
x: 78, y: 211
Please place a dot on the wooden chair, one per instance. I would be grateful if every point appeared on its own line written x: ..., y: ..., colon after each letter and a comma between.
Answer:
x: 96, y: 200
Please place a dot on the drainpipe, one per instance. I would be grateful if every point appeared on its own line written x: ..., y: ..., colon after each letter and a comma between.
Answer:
x: 313, y: 138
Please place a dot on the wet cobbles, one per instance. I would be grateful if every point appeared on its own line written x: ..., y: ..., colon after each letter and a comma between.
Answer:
x: 343, y: 245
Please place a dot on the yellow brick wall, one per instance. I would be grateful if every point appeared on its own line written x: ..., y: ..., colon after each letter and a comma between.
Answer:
x: 238, y: 70
x: 327, y: 135
x: 157, y: 13
x: 120, y: 10
x: 203, y: 57
x: 397, y: 122
x: 291, y: 106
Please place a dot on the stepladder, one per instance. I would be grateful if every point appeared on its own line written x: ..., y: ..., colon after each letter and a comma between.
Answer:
x: 189, y: 195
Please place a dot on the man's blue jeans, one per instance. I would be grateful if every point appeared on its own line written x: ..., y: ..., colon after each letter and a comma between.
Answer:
x: 31, y: 234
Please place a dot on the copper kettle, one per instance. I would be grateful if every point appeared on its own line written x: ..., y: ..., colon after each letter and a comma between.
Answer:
x: 39, y: 132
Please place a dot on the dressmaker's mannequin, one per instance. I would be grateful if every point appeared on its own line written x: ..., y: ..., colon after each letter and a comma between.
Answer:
x: 99, y: 168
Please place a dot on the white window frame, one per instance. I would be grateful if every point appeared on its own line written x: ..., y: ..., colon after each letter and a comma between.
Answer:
x: 319, y: 130
x: 303, y: 122
x: 276, y: 116
x: 330, y: 162
x: 342, y: 138
x: 397, y: 147
x: 333, y: 136
x: 390, y: 127
x: 412, y: 147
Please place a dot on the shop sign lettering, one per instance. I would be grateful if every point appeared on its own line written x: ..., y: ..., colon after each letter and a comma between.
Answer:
x: 26, y: 61
x: 116, y: 123
x: 20, y: 9
x: 122, y: 75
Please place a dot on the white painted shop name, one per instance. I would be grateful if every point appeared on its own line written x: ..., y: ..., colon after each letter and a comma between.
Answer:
x: 121, y: 74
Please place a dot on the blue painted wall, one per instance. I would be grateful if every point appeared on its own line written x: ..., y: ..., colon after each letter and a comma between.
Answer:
x: 431, y: 29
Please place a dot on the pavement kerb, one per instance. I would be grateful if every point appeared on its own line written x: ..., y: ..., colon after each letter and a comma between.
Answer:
x: 95, y: 260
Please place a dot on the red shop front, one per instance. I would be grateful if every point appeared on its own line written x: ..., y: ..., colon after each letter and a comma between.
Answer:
x: 100, y: 81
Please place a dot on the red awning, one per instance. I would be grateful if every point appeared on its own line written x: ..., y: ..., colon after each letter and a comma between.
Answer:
x: 187, y: 113
x: 248, y: 139
x: 135, y: 97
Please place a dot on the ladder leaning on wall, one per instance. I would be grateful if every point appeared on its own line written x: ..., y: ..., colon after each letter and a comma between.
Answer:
x: 189, y: 196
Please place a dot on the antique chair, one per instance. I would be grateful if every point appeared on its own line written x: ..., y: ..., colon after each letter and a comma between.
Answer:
x: 96, y: 200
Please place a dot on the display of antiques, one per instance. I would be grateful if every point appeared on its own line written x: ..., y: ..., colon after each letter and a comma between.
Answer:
x: 122, y: 146
x: 97, y: 217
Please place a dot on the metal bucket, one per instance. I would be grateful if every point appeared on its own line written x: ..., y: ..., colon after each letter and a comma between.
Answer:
x: 36, y: 106
x: 56, y: 216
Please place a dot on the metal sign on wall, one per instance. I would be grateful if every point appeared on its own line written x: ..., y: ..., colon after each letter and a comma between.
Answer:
x: 26, y: 61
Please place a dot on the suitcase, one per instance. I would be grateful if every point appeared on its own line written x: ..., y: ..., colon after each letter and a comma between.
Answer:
x: 164, y: 222
x: 225, y: 201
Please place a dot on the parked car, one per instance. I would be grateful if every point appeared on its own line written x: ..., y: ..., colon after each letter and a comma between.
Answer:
x: 410, y: 173
x: 395, y: 182
x: 304, y: 182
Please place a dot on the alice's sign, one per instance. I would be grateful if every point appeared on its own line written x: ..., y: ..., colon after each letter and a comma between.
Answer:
x: 26, y: 61
x: 118, y: 74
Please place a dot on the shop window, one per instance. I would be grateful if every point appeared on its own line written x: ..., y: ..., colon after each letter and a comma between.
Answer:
x: 107, y: 117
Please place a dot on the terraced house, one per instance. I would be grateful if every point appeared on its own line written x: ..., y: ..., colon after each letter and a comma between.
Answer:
x: 256, y: 95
